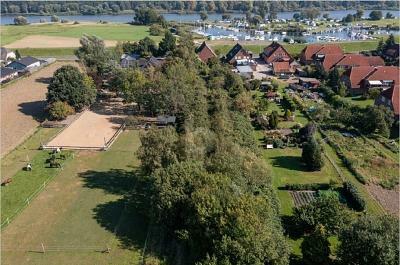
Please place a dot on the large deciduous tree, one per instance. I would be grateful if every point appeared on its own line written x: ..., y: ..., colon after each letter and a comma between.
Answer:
x: 93, y: 54
x: 71, y: 86
x: 167, y: 44
x: 315, y: 247
x: 370, y: 240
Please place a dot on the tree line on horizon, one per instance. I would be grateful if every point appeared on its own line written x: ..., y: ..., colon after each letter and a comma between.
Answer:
x: 114, y: 7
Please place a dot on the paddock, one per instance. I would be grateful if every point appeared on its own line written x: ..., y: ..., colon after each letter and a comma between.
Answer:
x: 90, y: 131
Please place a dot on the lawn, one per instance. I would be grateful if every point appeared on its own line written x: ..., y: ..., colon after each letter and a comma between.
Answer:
x: 111, y: 31
x: 82, y: 212
x: 55, y: 52
x: 360, y: 101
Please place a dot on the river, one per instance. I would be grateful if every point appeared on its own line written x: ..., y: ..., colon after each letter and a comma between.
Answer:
x: 124, y: 18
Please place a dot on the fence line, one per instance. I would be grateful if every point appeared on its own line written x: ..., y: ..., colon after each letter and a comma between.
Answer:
x: 28, y: 200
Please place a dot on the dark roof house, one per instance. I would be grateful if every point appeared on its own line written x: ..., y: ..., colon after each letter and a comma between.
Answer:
x: 7, y: 74
x: 24, y: 63
x: 237, y: 53
x: 275, y: 53
x: 204, y: 52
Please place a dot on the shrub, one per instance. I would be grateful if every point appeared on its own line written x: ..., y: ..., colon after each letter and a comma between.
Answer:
x: 20, y: 20
x: 54, y: 18
x: 76, y: 22
x: 60, y: 110
x: 278, y: 143
x: 354, y: 195
x: 156, y: 30
x: 307, y: 186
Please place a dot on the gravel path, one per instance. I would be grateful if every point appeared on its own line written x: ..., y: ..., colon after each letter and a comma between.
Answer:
x: 22, y: 106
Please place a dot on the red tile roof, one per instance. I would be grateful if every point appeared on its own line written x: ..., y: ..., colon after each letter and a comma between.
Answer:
x: 276, y: 52
x: 330, y: 60
x: 281, y: 67
x: 375, y: 61
x: 358, y: 73
x: 310, y: 50
x: 353, y: 60
x: 205, y: 52
x: 393, y: 95
x: 330, y: 49
x: 385, y: 73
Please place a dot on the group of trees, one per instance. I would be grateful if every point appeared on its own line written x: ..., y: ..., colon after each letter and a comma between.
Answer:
x: 69, y: 91
x: 146, y: 16
x: 210, y: 192
x: 111, y: 7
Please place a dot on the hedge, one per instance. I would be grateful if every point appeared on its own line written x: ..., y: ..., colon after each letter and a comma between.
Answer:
x: 307, y: 186
x: 352, y: 192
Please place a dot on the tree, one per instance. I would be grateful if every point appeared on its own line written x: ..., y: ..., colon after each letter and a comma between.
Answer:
x: 93, y: 54
x: 375, y: 15
x: 288, y: 114
x: 156, y: 30
x: 20, y: 20
x: 381, y: 47
x: 312, y: 155
x: 274, y: 120
x: 17, y: 55
x: 390, y: 41
x: 389, y: 15
x: 129, y: 83
x: 374, y: 93
x: 359, y: 14
x: 167, y: 44
x: 325, y: 210
x: 147, y: 16
x: 71, y: 86
x: 348, y: 18
x: 203, y: 16
x: 60, y: 110
x: 315, y: 247
x: 342, y: 89
x: 54, y: 18
x: 334, y: 78
x: 307, y: 131
x: 379, y: 233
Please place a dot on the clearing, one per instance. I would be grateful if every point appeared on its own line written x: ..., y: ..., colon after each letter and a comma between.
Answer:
x: 91, y: 130
x: 22, y: 106
x: 81, y: 213
x: 42, y: 41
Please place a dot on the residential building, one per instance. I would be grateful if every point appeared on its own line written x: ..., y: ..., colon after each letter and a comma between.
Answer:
x: 352, y: 78
x: 282, y: 68
x: 245, y: 71
x: 24, y: 64
x: 205, y: 53
x: 314, y: 52
x: 346, y: 61
x: 308, y: 82
x: 129, y: 60
x: 237, y: 53
x: 7, y: 74
x: 390, y: 99
x: 275, y: 53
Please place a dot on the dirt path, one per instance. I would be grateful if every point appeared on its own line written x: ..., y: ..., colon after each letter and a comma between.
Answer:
x: 22, y: 106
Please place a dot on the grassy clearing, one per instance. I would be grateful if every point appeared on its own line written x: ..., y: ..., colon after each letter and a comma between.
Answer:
x: 82, y: 212
x: 361, y: 102
x: 56, y: 52
x: 381, y: 23
x: 370, y: 161
x: 118, y: 32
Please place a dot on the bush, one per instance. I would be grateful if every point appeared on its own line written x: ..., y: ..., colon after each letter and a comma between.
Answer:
x: 64, y: 20
x: 20, y: 20
x: 76, y: 22
x: 60, y: 110
x: 354, y: 195
x: 278, y: 143
x: 156, y: 30
x: 54, y: 18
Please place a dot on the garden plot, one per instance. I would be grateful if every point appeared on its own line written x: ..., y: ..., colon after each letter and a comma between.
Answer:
x: 368, y: 159
x: 92, y: 131
x: 301, y: 198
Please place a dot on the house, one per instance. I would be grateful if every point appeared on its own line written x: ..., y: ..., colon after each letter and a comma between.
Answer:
x: 275, y: 53
x: 390, y: 99
x: 282, y: 68
x: 24, y: 64
x: 308, y: 82
x: 205, y: 53
x: 7, y: 74
x: 237, y: 53
x: 360, y: 79
x: 6, y: 55
x: 382, y: 78
x: 346, y: 61
x: 318, y: 51
x: 352, y: 78
x: 129, y: 60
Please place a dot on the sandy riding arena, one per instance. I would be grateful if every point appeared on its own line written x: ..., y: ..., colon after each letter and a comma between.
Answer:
x: 42, y: 41
x: 90, y: 131
x: 22, y: 106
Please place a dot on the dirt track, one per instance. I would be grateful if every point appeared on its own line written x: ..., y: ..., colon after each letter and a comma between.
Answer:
x: 42, y: 41
x: 22, y: 105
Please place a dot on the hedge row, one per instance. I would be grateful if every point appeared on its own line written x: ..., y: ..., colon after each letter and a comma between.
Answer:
x: 307, y: 186
x: 355, y: 196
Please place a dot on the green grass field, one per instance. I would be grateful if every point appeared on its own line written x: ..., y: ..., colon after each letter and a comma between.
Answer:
x: 118, y: 32
x: 56, y: 52
x: 82, y: 212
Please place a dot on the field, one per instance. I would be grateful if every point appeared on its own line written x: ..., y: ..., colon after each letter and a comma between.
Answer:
x: 81, y: 213
x: 375, y: 165
x: 91, y: 130
x: 22, y: 106
x: 115, y: 32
